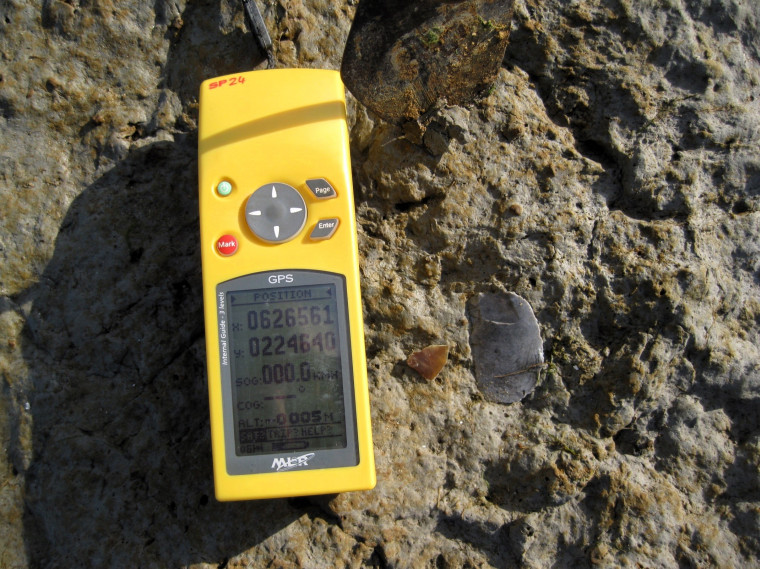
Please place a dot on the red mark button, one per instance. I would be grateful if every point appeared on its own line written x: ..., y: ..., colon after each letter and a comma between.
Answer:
x: 226, y: 245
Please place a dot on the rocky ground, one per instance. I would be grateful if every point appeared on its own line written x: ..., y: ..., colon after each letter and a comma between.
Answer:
x: 611, y: 178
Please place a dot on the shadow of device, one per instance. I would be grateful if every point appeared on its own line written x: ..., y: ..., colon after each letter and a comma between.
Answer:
x: 121, y: 474
x: 121, y: 470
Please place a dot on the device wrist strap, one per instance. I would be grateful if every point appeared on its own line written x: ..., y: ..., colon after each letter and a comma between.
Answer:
x: 259, y: 30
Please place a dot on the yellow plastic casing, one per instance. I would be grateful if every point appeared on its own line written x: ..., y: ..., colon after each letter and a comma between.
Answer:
x: 288, y: 126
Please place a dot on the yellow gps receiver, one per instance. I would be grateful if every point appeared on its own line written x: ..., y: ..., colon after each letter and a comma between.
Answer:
x: 287, y: 375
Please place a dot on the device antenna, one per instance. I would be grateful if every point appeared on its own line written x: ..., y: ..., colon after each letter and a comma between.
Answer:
x: 259, y: 30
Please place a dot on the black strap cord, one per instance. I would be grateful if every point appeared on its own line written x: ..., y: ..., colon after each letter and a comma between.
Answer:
x: 259, y: 30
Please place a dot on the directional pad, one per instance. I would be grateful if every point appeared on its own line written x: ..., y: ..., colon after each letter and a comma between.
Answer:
x: 276, y: 212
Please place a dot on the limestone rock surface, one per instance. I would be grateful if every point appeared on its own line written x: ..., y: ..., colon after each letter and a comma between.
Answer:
x: 611, y: 178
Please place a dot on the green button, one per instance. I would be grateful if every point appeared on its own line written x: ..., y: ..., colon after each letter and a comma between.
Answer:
x: 224, y: 189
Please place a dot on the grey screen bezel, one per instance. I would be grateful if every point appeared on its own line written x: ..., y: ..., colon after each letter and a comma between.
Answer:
x: 323, y: 458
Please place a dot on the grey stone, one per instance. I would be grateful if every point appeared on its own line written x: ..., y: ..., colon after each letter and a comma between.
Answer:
x: 506, y: 346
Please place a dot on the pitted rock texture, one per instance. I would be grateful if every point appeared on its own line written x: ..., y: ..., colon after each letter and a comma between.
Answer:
x: 404, y: 59
x: 611, y: 179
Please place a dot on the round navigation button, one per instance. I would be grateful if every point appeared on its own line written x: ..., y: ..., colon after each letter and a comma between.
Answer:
x: 227, y: 245
x: 276, y: 212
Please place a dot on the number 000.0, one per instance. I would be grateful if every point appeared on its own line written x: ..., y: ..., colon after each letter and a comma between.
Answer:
x: 279, y: 373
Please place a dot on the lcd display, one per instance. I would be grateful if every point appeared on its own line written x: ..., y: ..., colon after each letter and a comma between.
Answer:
x: 287, y: 366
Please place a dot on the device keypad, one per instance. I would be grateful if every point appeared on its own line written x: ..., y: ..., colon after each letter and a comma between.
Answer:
x: 277, y: 212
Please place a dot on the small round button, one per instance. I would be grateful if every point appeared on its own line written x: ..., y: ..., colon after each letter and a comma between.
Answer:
x: 226, y: 245
x: 224, y: 188
x: 276, y: 212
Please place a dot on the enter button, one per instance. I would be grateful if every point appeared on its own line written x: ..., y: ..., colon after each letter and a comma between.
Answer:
x: 324, y: 229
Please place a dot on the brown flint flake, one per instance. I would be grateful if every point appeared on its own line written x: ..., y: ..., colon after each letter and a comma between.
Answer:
x: 429, y: 361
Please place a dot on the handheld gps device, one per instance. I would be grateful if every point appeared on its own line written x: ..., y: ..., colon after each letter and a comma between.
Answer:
x: 287, y: 379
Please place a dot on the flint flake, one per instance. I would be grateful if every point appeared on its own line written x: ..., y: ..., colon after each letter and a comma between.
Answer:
x: 506, y: 346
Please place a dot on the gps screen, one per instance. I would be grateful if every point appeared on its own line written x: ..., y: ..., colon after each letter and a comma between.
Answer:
x: 286, y: 365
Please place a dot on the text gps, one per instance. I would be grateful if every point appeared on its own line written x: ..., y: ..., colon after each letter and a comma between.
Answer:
x: 287, y: 377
